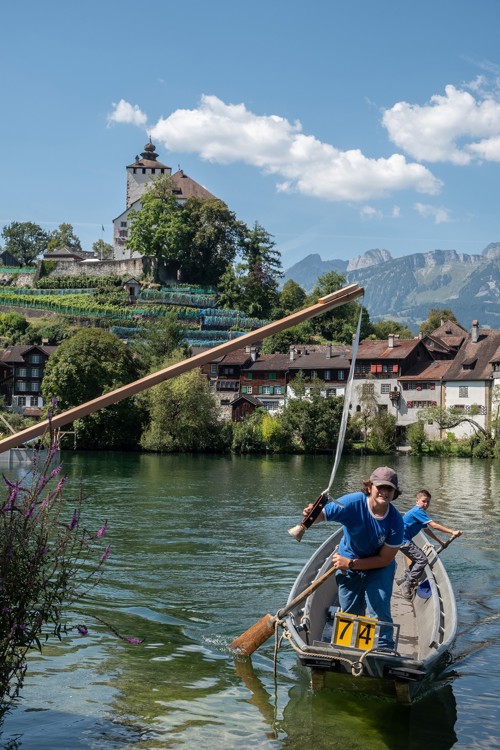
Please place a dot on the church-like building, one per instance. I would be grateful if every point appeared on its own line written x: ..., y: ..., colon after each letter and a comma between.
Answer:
x: 140, y: 173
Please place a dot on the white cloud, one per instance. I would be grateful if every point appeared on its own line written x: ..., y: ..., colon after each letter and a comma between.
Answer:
x: 229, y: 133
x: 368, y: 212
x: 124, y: 112
x: 440, y: 215
x: 456, y: 127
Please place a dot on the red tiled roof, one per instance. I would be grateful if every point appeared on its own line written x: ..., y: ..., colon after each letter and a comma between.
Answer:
x: 370, y: 349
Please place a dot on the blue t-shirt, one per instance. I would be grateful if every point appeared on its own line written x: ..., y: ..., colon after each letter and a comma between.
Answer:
x: 415, y: 520
x: 364, y: 534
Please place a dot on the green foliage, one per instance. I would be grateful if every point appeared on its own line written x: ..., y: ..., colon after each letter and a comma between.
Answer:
x: 195, y: 240
x: 281, y: 342
x: 247, y: 434
x: 25, y: 241
x: 47, y: 561
x: 291, y: 299
x: 103, y: 250
x: 312, y: 421
x: 85, y: 366
x: 12, y: 327
x: 183, y: 416
x: 159, y: 341
x: 77, y: 281
x: 63, y: 236
x: 416, y: 437
x: 339, y: 325
x: 383, y: 328
x: 261, y: 268
x: 382, y: 437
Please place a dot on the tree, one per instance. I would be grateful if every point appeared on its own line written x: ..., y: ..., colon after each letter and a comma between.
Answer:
x: 261, y: 266
x: 183, y: 416
x: 383, y: 433
x: 103, y: 250
x: 312, y: 420
x: 196, y: 240
x: 12, y: 327
x: 435, y: 318
x: 382, y: 329
x: 85, y: 366
x: 64, y: 236
x: 25, y: 241
x: 158, y: 341
x: 339, y: 325
x: 368, y: 401
x: 291, y: 299
x: 281, y: 342
x: 447, y: 419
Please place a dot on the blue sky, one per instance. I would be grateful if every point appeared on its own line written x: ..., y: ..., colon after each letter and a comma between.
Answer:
x: 339, y: 127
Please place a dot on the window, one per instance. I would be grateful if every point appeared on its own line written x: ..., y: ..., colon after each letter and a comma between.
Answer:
x: 213, y: 369
x: 382, y: 408
x: 36, y: 372
x: 122, y: 233
x: 228, y: 370
x: 35, y: 359
x: 463, y: 391
x: 123, y: 223
x: 278, y: 390
x: 22, y: 386
x: 35, y: 386
x: 249, y: 375
x: 358, y: 408
x: 21, y: 400
x: 22, y: 372
x: 314, y: 374
x: 266, y: 390
x: 33, y: 401
x: 385, y: 388
x: 327, y: 375
x: 271, y: 376
x: 341, y: 375
x: 249, y: 389
x: 331, y: 392
x: 360, y: 368
x: 368, y: 388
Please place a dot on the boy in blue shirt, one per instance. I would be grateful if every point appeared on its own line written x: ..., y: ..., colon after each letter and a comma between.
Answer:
x: 415, y: 520
x: 373, y: 533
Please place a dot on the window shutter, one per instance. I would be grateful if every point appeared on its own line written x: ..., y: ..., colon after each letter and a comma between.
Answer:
x: 260, y: 389
x: 379, y: 368
x: 395, y: 368
x: 373, y: 368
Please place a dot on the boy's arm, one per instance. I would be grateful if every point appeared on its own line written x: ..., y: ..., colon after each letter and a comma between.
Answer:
x: 432, y: 535
x: 439, y: 527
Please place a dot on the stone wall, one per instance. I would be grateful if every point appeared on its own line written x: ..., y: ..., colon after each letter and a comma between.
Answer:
x: 136, y: 267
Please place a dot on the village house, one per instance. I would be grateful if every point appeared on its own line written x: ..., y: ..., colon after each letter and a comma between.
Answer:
x: 21, y: 374
x: 472, y: 378
x: 327, y: 364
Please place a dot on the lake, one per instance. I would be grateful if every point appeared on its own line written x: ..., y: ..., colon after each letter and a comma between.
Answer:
x: 199, y: 552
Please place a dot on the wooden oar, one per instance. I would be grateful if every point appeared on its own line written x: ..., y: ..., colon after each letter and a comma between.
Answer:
x: 452, y: 537
x: 259, y: 633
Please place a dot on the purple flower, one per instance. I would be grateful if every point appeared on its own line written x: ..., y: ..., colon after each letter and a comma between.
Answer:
x: 134, y: 641
x: 105, y: 554
x: 103, y: 529
x: 54, y: 402
x: 74, y: 521
x: 61, y: 483
x: 41, y: 483
x: 82, y: 629
x: 30, y: 510
x: 55, y: 471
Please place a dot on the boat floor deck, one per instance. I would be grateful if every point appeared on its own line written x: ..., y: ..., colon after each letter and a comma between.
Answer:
x: 403, y: 615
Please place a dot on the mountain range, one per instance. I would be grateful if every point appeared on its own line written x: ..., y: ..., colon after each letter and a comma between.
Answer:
x: 405, y: 289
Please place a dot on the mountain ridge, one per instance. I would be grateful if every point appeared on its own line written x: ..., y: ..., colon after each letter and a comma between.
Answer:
x: 407, y: 287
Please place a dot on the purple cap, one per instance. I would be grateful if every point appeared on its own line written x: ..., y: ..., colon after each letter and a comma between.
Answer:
x: 384, y: 476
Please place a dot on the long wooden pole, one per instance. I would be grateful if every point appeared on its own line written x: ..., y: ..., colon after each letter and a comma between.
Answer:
x: 329, y: 302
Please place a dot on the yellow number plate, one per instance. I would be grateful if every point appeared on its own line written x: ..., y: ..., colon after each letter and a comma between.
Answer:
x: 354, y: 632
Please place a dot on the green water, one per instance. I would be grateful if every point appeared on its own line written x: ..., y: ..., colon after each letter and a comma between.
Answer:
x: 200, y: 551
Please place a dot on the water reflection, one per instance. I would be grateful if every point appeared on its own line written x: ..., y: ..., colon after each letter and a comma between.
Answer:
x: 330, y: 719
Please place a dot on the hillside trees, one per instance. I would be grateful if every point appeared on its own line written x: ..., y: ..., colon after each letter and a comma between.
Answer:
x: 64, y: 236
x: 435, y: 318
x: 261, y: 269
x: 183, y: 416
x: 339, y: 325
x: 195, y: 240
x: 103, y: 250
x: 85, y: 366
x: 25, y: 241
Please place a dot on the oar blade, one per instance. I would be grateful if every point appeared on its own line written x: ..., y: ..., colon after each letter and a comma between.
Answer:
x: 255, y: 636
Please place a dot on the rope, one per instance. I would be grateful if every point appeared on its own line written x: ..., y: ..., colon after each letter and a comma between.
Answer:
x: 356, y: 667
x: 347, y: 401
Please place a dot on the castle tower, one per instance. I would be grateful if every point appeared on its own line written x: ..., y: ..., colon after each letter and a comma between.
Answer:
x: 145, y: 168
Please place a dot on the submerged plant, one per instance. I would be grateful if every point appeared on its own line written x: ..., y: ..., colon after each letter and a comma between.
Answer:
x: 48, y: 560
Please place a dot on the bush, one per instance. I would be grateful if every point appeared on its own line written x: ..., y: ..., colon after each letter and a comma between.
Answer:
x: 47, y: 560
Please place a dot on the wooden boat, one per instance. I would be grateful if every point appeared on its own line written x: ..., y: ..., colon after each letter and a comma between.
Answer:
x: 337, y: 649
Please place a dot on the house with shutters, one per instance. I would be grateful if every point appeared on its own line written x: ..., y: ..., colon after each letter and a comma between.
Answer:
x: 21, y: 374
x: 472, y: 378
x: 327, y: 364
